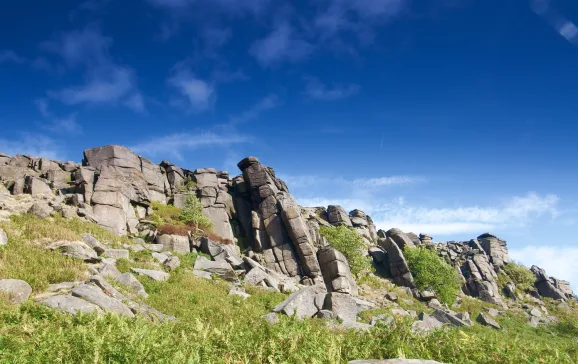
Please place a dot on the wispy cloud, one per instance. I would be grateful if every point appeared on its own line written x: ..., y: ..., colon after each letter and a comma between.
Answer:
x: 7, y: 56
x: 58, y: 125
x: 36, y: 145
x: 106, y: 82
x: 559, y: 262
x: 269, y: 102
x: 174, y: 145
x: 199, y: 95
x: 282, y: 44
x: 315, y: 89
x: 517, y: 211
x: 305, y: 181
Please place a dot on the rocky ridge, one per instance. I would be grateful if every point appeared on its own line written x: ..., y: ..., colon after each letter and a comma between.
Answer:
x: 283, y: 248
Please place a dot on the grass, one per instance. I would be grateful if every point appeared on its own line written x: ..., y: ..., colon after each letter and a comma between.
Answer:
x: 350, y: 244
x: 521, y: 276
x: 214, y: 327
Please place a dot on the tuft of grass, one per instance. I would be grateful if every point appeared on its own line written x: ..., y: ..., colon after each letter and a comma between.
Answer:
x: 431, y: 272
x: 350, y: 244
x: 521, y: 276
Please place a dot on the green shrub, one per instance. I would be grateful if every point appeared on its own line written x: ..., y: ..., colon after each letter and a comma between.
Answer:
x: 193, y: 214
x: 164, y: 214
x: 350, y: 244
x: 521, y: 276
x: 431, y: 272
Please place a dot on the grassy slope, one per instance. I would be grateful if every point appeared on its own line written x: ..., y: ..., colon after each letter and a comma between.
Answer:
x: 214, y: 327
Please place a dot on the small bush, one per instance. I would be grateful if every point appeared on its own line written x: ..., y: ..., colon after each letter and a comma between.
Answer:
x: 431, y: 272
x: 350, y: 244
x: 164, y: 214
x: 193, y: 214
x: 521, y: 276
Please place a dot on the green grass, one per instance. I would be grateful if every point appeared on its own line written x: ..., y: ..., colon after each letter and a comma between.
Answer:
x: 164, y: 214
x: 431, y: 272
x: 521, y: 276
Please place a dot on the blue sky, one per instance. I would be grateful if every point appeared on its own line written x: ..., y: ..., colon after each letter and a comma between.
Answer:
x: 450, y: 117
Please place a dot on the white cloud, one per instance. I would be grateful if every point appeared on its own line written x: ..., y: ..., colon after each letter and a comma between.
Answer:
x: 10, y: 56
x: 515, y: 212
x: 174, y: 145
x: 269, y: 102
x: 36, y: 145
x: 106, y: 82
x: 319, y: 91
x: 559, y: 262
x: 200, y: 94
x: 282, y: 44
x: 306, y: 181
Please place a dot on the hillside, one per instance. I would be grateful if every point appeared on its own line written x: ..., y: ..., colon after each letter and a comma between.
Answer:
x: 121, y: 260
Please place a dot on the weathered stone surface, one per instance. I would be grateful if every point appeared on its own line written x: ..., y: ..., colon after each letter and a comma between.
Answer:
x: 426, y: 324
x: 175, y: 243
x: 449, y: 317
x: 92, y: 242
x: 304, y: 303
x: 221, y: 269
x: 486, y: 320
x: 16, y: 290
x: 255, y: 276
x: 495, y: 248
x: 109, y: 271
x: 382, y: 318
x: 202, y: 274
x: 36, y: 187
x: 116, y: 253
x: 344, y: 306
x: 271, y: 318
x: 157, y: 275
x: 546, y: 285
x: 96, y: 296
x: 172, y: 263
x: 239, y: 292
x: 400, y: 238
x: 224, y: 252
x: 75, y: 249
x: 3, y: 238
x: 336, y: 271
x: 336, y: 215
x: 40, y: 209
x: 71, y: 305
x: 220, y: 219
x: 397, y: 264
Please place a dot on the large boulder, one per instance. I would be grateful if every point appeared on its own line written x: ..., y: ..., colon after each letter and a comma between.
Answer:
x: 345, y: 306
x: 95, y: 295
x: 75, y: 249
x: 495, y: 248
x: 36, y: 187
x: 304, y: 303
x: 545, y: 285
x: 175, y: 243
x: 16, y: 290
x: 400, y: 238
x: 336, y: 271
x: 336, y: 215
x: 221, y: 269
x: 397, y: 263
x: 70, y: 304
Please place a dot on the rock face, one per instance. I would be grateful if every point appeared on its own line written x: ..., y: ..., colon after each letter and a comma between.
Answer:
x: 495, y: 248
x: 336, y: 272
x: 397, y: 264
x: 550, y: 287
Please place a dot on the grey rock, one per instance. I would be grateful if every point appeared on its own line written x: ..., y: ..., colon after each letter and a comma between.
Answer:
x: 202, y: 274
x: 16, y: 290
x: 304, y: 303
x: 161, y: 258
x: 116, y: 253
x: 75, y: 249
x: 546, y: 285
x: 221, y: 269
x: 336, y: 271
x: 221, y: 252
x: 535, y: 312
x: 130, y: 281
x: 345, y: 306
x: 354, y: 325
x: 255, y: 276
x: 92, y: 242
x: 336, y: 215
x: 174, y: 243
x: 96, y: 296
x: 109, y: 270
x: 40, y: 209
x: 495, y: 248
x: 386, y: 319
x: 157, y: 275
x: 71, y: 305
x: 448, y: 317
x: 377, y: 254
x: 397, y: 263
x: 400, y: 238
x: 271, y: 318
x: 36, y: 187
x: 465, y: 317
x: 326, y: 315
x: 172, y: 263
x: 391, y: 296
x: 486, y: 320
x: 154, y: 247
x: 3, y: 238
x: 426, y: 324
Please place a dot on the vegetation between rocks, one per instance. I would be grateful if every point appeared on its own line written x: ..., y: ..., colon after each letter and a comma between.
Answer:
x: 350, y: 244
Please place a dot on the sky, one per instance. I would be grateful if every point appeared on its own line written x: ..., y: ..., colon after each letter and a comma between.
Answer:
x: 446, y: 117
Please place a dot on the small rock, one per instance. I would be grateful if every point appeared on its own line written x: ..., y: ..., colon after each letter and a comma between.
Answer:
x: 493, y: 312
x: 271, y: 318
x: 157, y: 275
x: 427, y: 295
x: 434, y: 303
x: 426, y: 324
x: 534, y: 321
x: 116, y: 253
x: 172, y: 263
x: 221, y: 269
x: 449, y: 317
x: 96, y: 296
x: 16, y: 290
x: 465, y: 317
x: 160, y: 257
x: 153, y: 247
x: 386, y: 319
x: 399, y: 312
x: 93, y: 243
x: 40, y: 209
x: 535, y: 312
x: 325, y: 315
x: 130, y: 281
x: 76, y: 249
x: 3, y: 238
x: 239, y: 292
x: 391, y: 296
x: 486, y: 320
x: 136, y: 248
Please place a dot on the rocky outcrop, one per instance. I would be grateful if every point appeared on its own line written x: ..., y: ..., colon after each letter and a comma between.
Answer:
x: 396, y: 261
x: 550, y: 287
x: 336, y: 271
x: 495, y: 248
